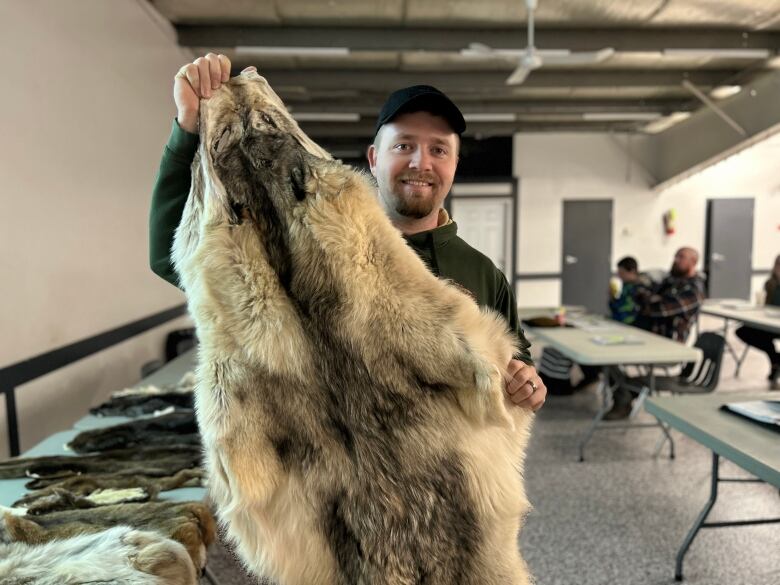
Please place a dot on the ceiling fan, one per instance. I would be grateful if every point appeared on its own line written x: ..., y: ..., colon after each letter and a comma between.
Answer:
x: 532, y: 58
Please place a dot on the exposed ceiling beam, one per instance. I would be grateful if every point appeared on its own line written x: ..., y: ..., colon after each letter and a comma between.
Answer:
x: 453, y: 39
x: 365, y: 128
x: 703, y: 139
x: 375, y: 80
x: 370, y: 106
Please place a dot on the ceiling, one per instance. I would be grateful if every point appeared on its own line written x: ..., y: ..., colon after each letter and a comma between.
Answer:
x: 334, y: 61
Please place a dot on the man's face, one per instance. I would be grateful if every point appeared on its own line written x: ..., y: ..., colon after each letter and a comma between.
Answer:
x: 684, y: 262
x: 414, y: 163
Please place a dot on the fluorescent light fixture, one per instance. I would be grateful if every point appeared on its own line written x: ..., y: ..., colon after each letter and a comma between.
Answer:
x: 619, y: 116
x: 477, y: 50
x: 725, y: 91
x: 293, y: 51
x: 326, y: 117
x: 488, y: 117
x: 718, y: 53
x: 662, y: 124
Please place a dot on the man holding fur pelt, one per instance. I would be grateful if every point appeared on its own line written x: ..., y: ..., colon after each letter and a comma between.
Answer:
x: 355, y: 423
x: 413, y: 157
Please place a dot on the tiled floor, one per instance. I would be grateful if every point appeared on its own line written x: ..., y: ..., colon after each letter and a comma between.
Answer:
x: 619, y: 517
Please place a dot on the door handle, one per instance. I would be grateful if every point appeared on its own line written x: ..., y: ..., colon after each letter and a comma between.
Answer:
x: 717, y: 257
x: 570, y: 259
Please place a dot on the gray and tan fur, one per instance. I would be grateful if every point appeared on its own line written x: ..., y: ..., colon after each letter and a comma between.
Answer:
x: 351, y: 404
x: 189, y: 523
x: 117, y: 555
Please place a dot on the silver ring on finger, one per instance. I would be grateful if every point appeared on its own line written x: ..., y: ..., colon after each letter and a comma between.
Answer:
x: 533, y: 385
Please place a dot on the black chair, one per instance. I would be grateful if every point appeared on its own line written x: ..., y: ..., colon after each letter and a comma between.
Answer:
x: 698, y: 377
x: 176, y: 343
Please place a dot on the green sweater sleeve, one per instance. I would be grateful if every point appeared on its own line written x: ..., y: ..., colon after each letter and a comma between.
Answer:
x: 507, y: 306
x: 171, y: 188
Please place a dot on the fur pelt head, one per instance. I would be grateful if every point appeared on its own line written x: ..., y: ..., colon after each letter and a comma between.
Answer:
x: 117, y: 555
x: 256, y: 167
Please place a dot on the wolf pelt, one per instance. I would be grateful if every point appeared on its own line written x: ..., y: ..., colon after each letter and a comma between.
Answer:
x: 117, y: 555
x: 351, y: 404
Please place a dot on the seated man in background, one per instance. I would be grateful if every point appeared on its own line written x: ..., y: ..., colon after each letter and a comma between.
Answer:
x: 668, y: 309
x: 765, y: 340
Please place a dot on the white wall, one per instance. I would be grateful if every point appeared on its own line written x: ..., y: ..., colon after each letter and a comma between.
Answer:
x: 552, y: 168
x: 85, y: 110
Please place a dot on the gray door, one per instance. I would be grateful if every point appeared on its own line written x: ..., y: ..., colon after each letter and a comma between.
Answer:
x: 728, y: 259
x: 587, y: 250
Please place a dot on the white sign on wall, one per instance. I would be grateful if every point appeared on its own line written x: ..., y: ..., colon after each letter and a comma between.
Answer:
x: 486, y: 224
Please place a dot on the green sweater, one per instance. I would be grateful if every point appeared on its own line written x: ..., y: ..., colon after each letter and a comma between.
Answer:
x: 447, y: 255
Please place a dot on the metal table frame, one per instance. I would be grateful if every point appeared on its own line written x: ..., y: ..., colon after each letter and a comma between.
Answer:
x: 666, y: 352
x: 745, y: 443
x: 607, y: 389
x: 729, y: 315
x: 701, y: 519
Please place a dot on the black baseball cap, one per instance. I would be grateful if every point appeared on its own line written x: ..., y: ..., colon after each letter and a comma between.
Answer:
x: 421, y: 98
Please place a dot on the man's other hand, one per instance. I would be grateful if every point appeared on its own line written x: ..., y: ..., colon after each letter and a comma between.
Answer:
x: 524, y: 386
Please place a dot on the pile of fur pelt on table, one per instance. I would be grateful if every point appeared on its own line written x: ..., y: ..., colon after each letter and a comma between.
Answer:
x: 96, y: 515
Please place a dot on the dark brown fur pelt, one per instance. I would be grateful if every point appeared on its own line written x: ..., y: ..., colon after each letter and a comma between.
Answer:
x: 148, y: 461
x: 74, y: 492
x: 175, y: 428
x: 138, y: 405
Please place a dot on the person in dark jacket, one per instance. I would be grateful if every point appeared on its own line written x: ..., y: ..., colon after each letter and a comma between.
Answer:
x: 413, y: 157
x: 765, y: 340
x: 623, y: 306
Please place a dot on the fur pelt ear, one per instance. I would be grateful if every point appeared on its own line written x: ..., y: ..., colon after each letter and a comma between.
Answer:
x: 299, y: 176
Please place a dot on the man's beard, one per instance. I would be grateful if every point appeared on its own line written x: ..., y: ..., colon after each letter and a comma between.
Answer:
x: 409, y: 205
x: 677, y: 272
x: 415, y: 208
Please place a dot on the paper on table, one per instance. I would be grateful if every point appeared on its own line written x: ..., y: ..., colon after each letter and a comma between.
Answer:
x: 738, y: 305
x: 766, y: 411
x: 593, y: 324
x: 616, y: 340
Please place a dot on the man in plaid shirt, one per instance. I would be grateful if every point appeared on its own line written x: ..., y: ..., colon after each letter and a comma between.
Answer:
x: 668, y: 309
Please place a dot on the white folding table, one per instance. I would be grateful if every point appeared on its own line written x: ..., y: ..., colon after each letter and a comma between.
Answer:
x: 750, y: 445
x: 595, y: 341
x: 12, y: 490
x: 766, y: 318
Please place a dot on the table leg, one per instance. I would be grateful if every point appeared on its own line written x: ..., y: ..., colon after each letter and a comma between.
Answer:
x: 678, y: 575
x: 730, y: 347
x: 740, y: 360
x: 607, y: 391
x: 650, y: 391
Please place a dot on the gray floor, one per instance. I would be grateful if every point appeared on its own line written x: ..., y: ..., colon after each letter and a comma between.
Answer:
x: 619, y: 517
